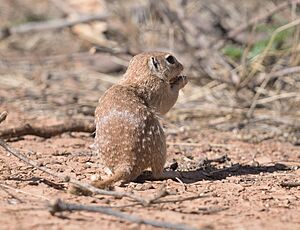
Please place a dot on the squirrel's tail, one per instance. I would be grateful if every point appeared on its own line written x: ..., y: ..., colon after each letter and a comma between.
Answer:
x: 124, y: 175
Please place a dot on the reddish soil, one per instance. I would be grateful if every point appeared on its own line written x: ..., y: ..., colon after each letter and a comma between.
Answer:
x: 245, y: 195
x: 36, y: 86
x: 244, y: 192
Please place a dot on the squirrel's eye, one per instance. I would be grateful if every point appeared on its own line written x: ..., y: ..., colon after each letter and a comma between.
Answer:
x: 170, y: 59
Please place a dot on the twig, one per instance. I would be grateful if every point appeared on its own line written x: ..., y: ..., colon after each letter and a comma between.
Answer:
x: 180, y: 199
x: 10, y: 194
x: 289, y: 184
x: 286, y: 71
x: 23, y: 192
x: 212, y: 210
x: 37, y: 180
x: 246, y: 52
x: 181, y: 182
x: 60, y: 206
x: 277, y: 97
x: 233, y: 33
x: 3, y: 116
x: 161, y: 193
x: 294, y: 55
x: 75, y: 182
x: 49, y: 131
x: 50, y: 25
x: 256, y: 96
x: 172, y: 200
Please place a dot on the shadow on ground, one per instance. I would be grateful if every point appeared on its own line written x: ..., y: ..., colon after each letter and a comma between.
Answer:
x: 214, y: 173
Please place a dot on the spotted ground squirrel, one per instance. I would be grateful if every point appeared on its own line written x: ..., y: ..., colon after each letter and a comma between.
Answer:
x: 129, y: 137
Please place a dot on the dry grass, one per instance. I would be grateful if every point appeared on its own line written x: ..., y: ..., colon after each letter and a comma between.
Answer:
x: 235, y: 85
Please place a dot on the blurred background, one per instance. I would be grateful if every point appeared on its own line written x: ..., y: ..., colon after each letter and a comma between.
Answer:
x: 57, y: 57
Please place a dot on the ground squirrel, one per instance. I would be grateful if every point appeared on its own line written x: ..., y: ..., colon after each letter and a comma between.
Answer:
x: 129, y: 137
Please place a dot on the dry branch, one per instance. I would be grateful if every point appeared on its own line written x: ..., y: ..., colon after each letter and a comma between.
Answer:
x: 49, y: 131
x: 60, y: 206
x: 50, y: 25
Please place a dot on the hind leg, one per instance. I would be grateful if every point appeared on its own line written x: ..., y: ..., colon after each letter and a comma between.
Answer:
x: 159, y: 173
x: 158, y: 170
x: 157, y: 166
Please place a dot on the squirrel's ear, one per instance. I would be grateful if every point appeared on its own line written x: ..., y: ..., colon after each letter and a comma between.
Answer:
x: 154, y: 64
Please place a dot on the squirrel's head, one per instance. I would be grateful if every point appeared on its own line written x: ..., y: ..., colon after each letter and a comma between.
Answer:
x: 161, y: 65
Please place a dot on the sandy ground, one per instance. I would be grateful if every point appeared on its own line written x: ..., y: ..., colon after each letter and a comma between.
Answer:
x: 244, y: 192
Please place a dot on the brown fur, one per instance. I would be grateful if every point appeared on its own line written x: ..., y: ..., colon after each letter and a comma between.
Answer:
x: 129, y: 137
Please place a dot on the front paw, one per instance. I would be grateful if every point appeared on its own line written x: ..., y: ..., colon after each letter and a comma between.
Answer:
x: 179, y: 82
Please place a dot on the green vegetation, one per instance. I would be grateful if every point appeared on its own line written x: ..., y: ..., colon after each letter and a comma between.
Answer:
x: 236, y: 51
